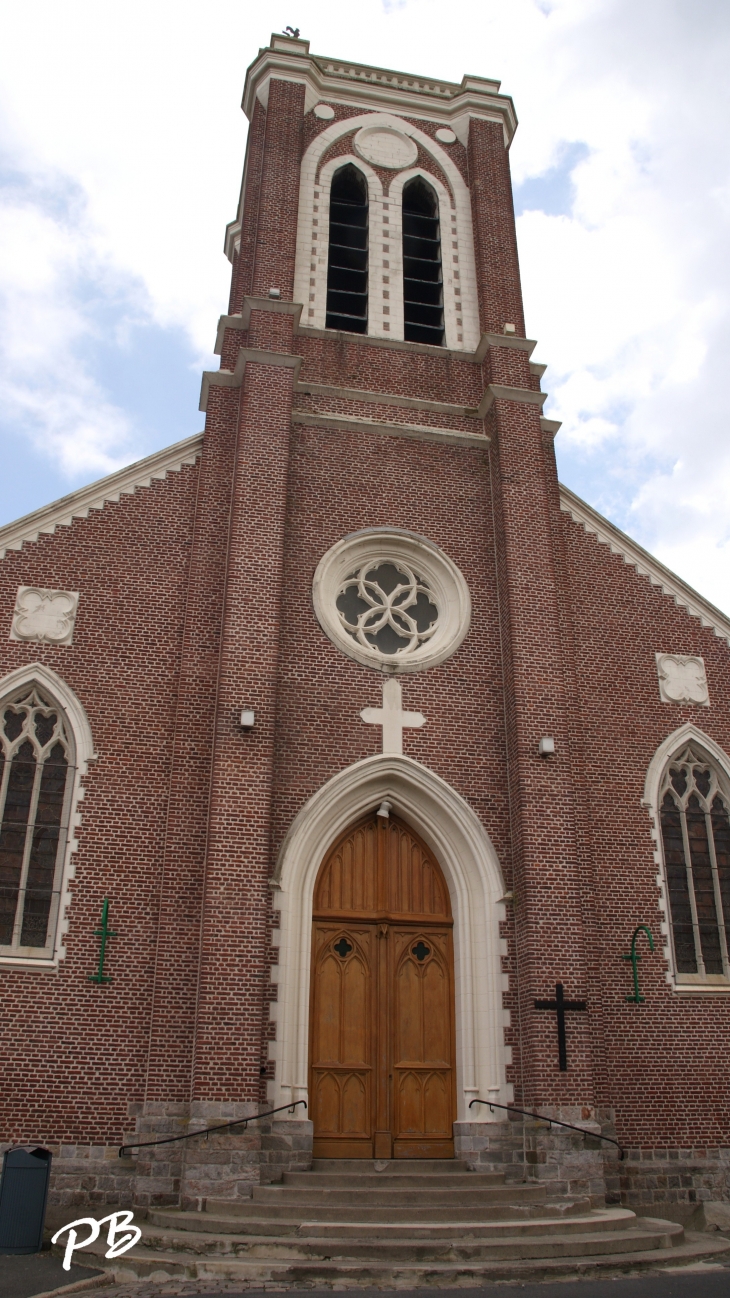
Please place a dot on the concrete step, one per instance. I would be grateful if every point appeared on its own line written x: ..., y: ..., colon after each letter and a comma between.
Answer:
x: 240, y: 1213
x: 382, y: 1196
x: 594, y: 1219
x: 391, y: 1166
x: 157, y: 1265
x: 635, y: 1238
x: 407, y: 1181
x: 175, y: 1222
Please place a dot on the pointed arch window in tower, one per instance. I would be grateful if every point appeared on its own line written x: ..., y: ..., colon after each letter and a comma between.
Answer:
x: 423, y: 310
x: 35, y: 765
x: 347, y: 269
x: 696, y: 837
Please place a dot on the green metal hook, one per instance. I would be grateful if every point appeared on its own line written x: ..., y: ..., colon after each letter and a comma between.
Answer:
x: 634, y: 957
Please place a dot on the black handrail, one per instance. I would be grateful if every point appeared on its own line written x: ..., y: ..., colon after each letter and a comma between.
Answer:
x: 511, y: 1108
x: 205, y: 1131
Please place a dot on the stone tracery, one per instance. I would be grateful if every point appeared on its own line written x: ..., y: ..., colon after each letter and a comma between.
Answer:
x: 35, y: 758
x: 387, y: 607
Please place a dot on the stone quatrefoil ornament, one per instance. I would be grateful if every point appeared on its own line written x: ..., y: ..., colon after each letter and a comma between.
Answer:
x: 388, y: 608
x: 44, y: 615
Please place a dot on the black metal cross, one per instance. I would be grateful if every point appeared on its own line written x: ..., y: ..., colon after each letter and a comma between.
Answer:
x: 560, y: 1005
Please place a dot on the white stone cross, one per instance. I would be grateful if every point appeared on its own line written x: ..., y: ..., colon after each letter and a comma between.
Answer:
x: 392, y: 717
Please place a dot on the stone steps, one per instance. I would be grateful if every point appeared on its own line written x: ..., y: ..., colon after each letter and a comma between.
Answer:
x: 375, y: 1214
x: 406, y: 1181
x: 441, y: 1167
x: 158, y: 1266
x: 398, y: 1225
x: 203, y: 1225
x: 273, y: 1197
x: 447, y: 1248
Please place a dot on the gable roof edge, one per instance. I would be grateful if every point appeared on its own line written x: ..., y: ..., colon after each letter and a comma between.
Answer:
x: 61, y: 513
x: 645, y: 563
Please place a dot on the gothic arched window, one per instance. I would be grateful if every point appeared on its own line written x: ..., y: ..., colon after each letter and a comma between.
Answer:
x: 347, y: 269
x: 696, y: 837
x: 36, y: 778
x: 423, y: 298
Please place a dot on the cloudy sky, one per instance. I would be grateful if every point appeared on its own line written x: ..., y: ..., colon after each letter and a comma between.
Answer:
x: 121, y: 147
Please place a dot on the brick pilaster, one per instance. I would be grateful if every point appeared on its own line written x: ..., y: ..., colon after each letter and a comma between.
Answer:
x: 548, y: 911
x: 495, y: 240
x: 233, y: 985
x: 169, y: 1062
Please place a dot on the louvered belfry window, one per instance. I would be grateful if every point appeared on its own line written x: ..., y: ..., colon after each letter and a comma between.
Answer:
x: 35, y: 769
x: 347, y: 270
x: 423, y: 298
x: 696, y: 837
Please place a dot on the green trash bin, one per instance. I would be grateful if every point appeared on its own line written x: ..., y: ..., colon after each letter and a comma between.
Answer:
x: 23, y: 1195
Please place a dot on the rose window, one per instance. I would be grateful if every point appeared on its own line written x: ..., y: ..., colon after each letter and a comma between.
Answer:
x: 391, y: 599
x: 387, y: 608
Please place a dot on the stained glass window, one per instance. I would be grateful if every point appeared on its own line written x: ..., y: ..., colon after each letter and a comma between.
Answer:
x: 696, y: 837
x: 35, y: 762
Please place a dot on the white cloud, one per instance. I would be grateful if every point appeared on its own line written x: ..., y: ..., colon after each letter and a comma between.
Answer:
x: 46, y: 389
x: 134, y: 110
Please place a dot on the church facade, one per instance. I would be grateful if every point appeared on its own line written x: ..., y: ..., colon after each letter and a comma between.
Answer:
x: 346, y: 756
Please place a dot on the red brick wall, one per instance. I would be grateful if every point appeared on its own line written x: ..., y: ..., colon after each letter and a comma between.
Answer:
x: 663, y: 1065
x: 74, y: 1054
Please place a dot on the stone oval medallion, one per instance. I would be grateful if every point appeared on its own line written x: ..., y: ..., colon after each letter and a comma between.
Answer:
x: 384, y: 146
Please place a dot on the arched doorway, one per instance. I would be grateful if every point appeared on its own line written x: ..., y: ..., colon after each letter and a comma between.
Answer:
x: 381, y: 1074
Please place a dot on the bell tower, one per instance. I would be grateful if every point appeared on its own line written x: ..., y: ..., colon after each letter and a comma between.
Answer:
x: 375, y: 381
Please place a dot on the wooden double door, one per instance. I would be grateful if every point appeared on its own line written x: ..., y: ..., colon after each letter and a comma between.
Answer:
x: 382, y: 1077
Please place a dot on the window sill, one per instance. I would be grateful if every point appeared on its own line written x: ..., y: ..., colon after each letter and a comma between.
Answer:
x: 720, y: 986
x: 35, y: 964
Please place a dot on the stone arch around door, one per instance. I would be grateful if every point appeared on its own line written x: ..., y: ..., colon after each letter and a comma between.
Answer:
x: 452, y: 831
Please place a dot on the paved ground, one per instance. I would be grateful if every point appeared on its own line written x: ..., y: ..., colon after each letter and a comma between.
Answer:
x: 701, y: 1283
x: 24, y: 1277
x: 25, y: 1274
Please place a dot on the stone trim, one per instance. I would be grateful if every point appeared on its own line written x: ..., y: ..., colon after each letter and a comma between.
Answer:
x: 358, y: 84
x: 421, y: 432
x: 234, y: 378
x: 384, y: 398
x: 61, y: 513
x: 242, y: 321
x: 635, y: 555
x: 498, y: 392
x: 503, y: 340
x: 673, y: 744
x: 438, y: 572
x: 393, y: 344
x: 63, y: 697
x: 458, y: 266
x: 473, y: 874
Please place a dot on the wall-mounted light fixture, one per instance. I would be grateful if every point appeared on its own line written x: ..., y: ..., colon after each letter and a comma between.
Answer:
x: 546, y: 746
x: 248, y: 719
x: 275, y: 292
